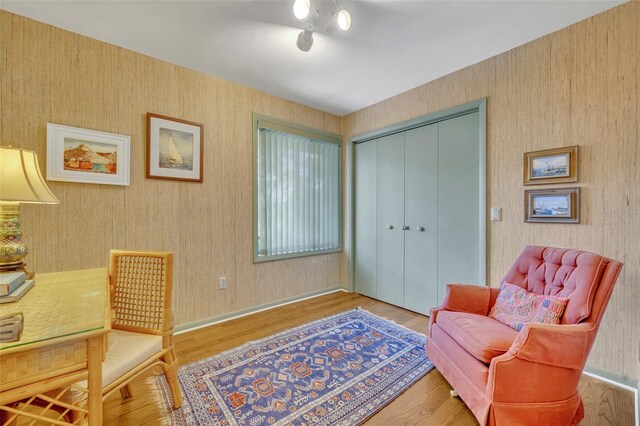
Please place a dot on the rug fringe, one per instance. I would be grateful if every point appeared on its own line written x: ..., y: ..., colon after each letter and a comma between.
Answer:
x: 391, y: 320
x: 156, y: 399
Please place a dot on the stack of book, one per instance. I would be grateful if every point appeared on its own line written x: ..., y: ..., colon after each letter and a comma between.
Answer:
x: 11, y: 327
x: 13, y: 285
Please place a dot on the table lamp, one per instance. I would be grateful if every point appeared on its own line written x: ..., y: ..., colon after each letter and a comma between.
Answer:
x: 20, y: 182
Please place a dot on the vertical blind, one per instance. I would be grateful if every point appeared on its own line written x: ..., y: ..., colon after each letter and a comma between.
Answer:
x: 297, y: 194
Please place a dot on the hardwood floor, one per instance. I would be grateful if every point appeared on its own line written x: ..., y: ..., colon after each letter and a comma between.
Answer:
x: 426, y: 403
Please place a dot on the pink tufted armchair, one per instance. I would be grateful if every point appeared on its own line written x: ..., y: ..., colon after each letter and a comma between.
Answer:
x: 528, y: 377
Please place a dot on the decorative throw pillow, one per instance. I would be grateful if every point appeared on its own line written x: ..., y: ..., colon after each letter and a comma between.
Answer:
x: 516, y: 307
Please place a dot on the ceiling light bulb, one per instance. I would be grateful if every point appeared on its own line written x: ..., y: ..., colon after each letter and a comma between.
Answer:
x: 301, y: 8
x: 344, y: 20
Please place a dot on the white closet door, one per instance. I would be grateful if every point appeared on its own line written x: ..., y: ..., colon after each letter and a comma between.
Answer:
x: 390, y: 264
x: 421, y: 216
x: 366, y: 214
x: 459, y: 202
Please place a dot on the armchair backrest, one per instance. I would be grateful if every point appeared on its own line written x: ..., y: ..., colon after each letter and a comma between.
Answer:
x: 584, y: 278
x: 140, y: 286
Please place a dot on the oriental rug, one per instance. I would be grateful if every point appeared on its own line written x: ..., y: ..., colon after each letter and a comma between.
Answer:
x: 336, y: 371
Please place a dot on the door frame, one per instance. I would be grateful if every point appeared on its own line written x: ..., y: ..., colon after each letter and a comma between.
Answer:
x: 479, y: 106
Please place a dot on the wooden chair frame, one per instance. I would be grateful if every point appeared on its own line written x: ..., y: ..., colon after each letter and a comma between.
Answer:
x: 165, y: 359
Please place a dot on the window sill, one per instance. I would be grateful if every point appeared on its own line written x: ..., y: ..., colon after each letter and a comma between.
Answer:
x: 261, y: 259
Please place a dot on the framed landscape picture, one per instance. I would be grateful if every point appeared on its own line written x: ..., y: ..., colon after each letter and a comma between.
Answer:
x: 551, y: 166
x: 552, y: 205
x: 174, y: 148
x: 87, y: 156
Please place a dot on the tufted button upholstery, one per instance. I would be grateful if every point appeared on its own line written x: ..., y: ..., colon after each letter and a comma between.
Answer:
x: 569, y: 273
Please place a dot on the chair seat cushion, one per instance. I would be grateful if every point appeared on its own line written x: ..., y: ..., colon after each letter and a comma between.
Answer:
x: 481, y: 336
x: 126, y: 351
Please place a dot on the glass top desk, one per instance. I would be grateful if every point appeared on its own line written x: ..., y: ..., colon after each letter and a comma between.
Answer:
x: 66, y: 318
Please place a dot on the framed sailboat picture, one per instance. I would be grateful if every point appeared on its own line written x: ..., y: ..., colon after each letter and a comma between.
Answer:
x: 174, y: 148
x: 551, y: 166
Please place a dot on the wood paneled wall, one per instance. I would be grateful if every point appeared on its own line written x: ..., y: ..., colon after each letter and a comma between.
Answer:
x: 52, y: 75
x: 578, y: 86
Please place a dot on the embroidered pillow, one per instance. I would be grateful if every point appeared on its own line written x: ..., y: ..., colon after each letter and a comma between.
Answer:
x: 516, y: 307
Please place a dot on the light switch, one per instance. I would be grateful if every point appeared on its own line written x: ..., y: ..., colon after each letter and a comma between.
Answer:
x: 496, y: 214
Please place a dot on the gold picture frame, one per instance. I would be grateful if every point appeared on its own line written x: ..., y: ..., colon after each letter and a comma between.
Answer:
x: 559, y: 165
x: 552, y: 205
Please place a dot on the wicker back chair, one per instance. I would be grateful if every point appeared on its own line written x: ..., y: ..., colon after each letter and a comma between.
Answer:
x: 140, y: 285
x: 140, y: 293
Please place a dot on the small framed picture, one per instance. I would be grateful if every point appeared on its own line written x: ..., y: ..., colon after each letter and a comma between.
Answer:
x: 174, y: 148
x: 551, y: 166
x: 552, y: 205
x: 87, y: 156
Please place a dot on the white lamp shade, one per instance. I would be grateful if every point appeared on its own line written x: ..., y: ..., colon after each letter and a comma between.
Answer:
x: 20, y: 178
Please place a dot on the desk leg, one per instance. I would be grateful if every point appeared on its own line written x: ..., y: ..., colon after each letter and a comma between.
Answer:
x: 94, y: 365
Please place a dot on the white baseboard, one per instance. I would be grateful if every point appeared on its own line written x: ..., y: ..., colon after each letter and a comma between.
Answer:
x: 183, y: 328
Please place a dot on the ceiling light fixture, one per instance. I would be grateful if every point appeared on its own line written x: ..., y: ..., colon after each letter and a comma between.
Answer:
x: 306, y: 12
x: 344, y: 20
x: 305, y: 40
x: 301, y: 8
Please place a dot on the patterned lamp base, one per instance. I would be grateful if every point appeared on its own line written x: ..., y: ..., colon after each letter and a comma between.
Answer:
x: 12, y: 249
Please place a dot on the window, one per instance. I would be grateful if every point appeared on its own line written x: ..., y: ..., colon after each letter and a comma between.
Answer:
x: 297, y: 209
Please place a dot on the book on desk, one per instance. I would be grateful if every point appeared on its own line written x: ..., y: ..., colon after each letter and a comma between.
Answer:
x: 10, y: 281
x: 17, y: 294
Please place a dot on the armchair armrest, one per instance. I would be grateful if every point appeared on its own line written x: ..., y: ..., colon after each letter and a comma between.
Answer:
x: 558, y: 345
x: 468, y: 298
x: 540, y: 353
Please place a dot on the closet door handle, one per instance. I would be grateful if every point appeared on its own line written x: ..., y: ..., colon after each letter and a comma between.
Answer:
x: 390, y: 227
x: 405, y: 227
x: 420, y: 228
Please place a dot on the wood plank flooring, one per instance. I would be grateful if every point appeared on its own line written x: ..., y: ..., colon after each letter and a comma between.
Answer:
x: 426, y: 403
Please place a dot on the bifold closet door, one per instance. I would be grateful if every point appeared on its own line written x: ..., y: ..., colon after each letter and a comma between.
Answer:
x: 417, y: 213
x: 390, y: 255
x: 421, y: 219
x: 366, y: 214
x: 459, y: 202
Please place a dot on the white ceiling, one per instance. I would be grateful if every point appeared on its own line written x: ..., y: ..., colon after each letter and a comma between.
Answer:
x: 393, y: 45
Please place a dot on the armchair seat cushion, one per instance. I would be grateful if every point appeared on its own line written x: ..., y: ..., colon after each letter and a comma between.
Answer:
x: 481, y: 336
x: 126, y: 351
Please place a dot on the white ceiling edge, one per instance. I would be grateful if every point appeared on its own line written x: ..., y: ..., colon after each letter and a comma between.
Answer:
x: 392, y: 47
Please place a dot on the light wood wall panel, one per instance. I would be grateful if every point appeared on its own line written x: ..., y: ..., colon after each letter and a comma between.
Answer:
x: 51, y: 75
x: 578, y: 86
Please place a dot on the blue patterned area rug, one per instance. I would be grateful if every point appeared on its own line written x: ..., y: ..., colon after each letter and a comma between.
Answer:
x: 337, y: 371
